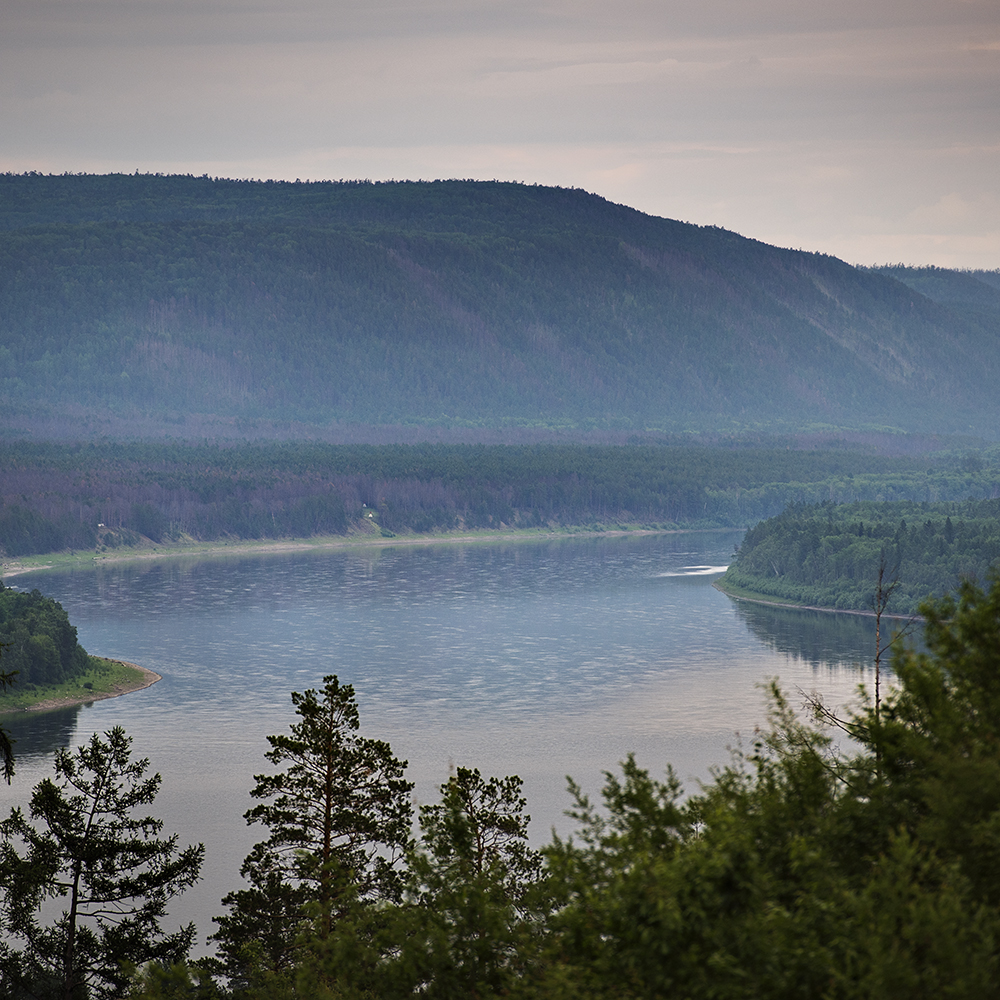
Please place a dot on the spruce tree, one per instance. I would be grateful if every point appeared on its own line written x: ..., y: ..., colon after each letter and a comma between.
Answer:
x: 338, y: 817
x: 83, y: 843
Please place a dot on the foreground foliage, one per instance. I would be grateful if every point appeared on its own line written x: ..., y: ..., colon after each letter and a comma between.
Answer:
x: 338, y: 821
x: 84, y: 844
x: 6, y: 743
x: 802, y: 870
x: 469, y: 924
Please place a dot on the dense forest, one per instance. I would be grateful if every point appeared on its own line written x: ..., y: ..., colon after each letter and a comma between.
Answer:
x: 193, y: 307
x: 829, y: 555
x: 802, y: 869
x: 38, y: 644
x: 61, y: 497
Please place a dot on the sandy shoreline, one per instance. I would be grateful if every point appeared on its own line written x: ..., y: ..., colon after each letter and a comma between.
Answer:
x: 307, y: 545
x: 148, y: 679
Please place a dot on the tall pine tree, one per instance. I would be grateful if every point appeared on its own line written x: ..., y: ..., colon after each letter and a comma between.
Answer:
x: 338, y: 816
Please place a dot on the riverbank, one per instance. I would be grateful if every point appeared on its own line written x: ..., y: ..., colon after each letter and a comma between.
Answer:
x: 111, y: 679
x: 62, y: 561
x: 739, y: 594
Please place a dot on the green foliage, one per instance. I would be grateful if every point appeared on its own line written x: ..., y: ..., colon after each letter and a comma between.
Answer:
x: 940, y: 734
x: 829, y: 555
x: 175, y: 981
x: 149, y: 521
x: 338, y: 821
x: 272, y: 491
x: 24, y: 531
x: 918, y: 931
x: 469, y: 925
x: 801, y: 870
x: 84, y: 844
x: 40, y: 643
x: 6, y: 743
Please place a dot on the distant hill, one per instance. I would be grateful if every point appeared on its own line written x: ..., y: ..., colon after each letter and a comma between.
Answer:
x: 171, y: 304
x: 975, y: 293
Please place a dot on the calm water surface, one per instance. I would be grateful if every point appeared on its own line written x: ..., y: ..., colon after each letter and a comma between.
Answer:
x: 536, y: 658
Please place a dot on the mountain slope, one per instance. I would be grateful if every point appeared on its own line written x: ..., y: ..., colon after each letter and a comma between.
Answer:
x: 455, y: 303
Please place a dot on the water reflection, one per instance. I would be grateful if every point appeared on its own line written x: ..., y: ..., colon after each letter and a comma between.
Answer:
x: 818, y: 638
x: 40, y: 734
x: 825, y: 640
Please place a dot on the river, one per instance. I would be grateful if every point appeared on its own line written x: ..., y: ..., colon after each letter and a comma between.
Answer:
x: 537, y: 658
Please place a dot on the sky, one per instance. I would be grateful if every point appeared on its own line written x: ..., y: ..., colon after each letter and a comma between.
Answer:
x: 867, y: 129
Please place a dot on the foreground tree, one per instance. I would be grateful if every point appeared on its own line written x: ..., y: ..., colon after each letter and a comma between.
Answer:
x: 473, y: 911
x: 84, y: 843
x: 939, y: 736
x: 475, y: 892
x: 802, y: 870
x: 338, y: 817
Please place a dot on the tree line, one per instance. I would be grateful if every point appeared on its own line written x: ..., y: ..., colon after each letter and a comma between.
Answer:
x: 804, y: 868
x: 829, y: 554
x: 59, y: 497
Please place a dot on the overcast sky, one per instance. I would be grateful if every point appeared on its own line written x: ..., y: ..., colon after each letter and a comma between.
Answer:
x: 863, y: 128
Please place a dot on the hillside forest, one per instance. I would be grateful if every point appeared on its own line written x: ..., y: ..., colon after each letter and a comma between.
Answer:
x: 195, y: 307
x: 853, y: 871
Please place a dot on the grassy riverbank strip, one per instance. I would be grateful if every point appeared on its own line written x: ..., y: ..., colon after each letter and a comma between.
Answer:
x: 742, y: 594
x: 105, y: 678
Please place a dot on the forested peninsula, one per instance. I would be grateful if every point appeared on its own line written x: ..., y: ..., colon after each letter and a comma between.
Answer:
x: 44, y: 663
x: 829, y: 555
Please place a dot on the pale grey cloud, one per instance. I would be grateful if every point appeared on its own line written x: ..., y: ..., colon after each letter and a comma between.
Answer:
x: 866, y: 129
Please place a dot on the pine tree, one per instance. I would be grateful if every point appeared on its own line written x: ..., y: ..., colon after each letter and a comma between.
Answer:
x: 338, y: 818
x: 473, y: 912
x: 85, y: 844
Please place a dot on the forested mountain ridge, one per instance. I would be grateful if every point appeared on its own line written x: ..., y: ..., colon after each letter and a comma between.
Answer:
x: 454, y: 303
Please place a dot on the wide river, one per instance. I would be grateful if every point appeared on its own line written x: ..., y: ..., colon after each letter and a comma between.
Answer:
x: 538, y: 658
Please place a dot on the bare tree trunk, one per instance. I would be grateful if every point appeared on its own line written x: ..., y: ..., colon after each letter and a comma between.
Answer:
x: 885, y: 586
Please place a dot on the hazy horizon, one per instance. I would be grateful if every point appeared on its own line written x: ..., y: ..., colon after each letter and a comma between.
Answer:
x: 868, y: 131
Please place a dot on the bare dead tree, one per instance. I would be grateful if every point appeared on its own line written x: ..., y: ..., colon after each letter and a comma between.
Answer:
x: 886, y: 584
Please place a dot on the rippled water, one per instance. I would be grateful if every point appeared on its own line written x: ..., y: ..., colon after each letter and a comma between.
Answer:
x: 536, y: 658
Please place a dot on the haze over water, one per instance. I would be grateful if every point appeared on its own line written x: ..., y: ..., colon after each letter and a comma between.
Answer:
x: 538, y: 658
